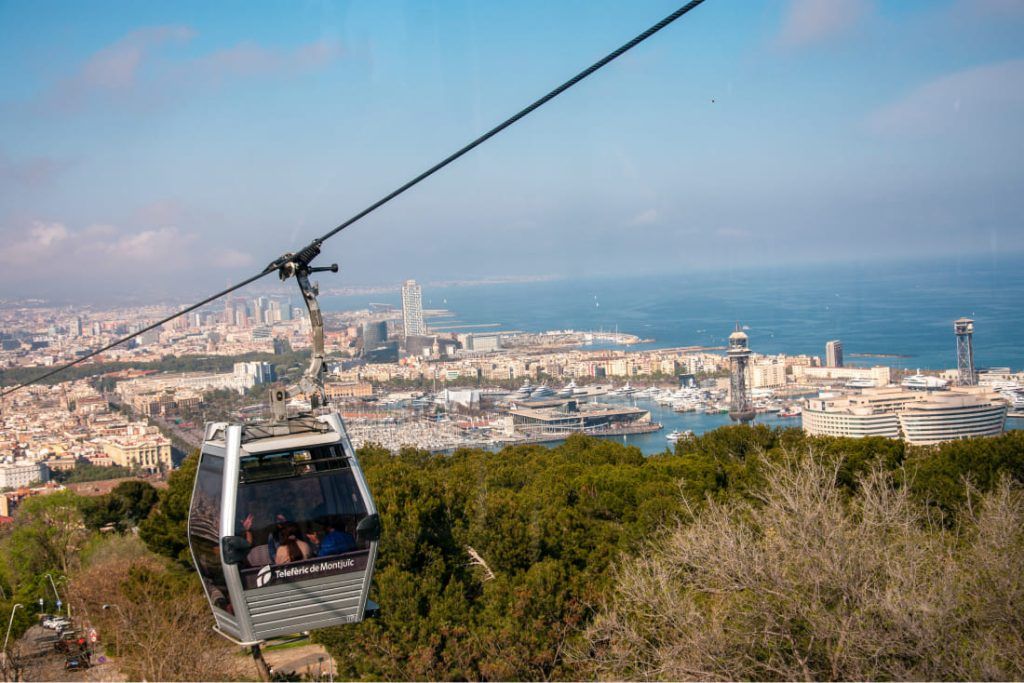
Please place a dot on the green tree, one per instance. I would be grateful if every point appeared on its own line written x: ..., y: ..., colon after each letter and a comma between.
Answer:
x: 165, y: 530
x: 124, y: 507
x: 47, y: 535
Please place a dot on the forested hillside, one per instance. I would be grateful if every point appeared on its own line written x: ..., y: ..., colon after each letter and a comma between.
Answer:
x: 747, y: 553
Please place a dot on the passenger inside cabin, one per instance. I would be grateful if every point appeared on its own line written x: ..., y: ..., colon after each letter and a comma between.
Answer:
x: 292, y: 547
x: 332, y: 540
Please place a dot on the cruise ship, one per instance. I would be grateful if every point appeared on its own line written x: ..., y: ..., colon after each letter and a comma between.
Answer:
x: 860, y: 383
x: 1015, y: 397
x: 921, y: 382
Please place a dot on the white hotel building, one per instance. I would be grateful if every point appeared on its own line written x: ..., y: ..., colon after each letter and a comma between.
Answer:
x: 921, y: 418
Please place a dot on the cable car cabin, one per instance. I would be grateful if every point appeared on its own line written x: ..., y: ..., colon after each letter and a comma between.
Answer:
x: 282, y: 528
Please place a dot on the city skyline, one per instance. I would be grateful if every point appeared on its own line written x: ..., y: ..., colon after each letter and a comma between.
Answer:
x: 160, y: 149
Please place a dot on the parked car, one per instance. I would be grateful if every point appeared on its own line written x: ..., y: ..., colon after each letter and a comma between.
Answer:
x: 56, y: 623
x: 76, y: 662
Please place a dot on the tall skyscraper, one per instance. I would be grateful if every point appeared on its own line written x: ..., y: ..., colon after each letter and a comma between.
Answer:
x: 375, y: 335
x: 964, y: 330
x: 740, y: 407
x: 412, y: 309
x: 834, y: 353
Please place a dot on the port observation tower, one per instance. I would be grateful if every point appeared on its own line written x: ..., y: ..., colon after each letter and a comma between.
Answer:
x: 740, y: 407
x: 964, y: 330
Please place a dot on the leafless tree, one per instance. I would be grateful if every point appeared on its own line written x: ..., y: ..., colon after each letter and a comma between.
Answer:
x: 157, y: 622
x: 809, y: 582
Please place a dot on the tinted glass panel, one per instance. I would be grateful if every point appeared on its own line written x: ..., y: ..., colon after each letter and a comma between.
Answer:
x: 295, y: 508
x: 204, y: 530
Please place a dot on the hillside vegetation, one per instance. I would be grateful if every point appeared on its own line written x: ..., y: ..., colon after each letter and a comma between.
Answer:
x: 747, y: 553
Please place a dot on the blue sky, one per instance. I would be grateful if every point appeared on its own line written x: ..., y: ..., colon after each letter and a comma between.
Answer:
x: 172, y: 148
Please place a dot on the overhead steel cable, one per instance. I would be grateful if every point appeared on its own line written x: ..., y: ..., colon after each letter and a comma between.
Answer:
x: 313, y: 248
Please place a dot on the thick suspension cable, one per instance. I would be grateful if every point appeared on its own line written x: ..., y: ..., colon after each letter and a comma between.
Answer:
x: 313, y: 247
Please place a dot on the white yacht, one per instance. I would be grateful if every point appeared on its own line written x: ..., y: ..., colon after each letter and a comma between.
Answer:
x: 1015, y: 397
x: 567, y: 390
x: 542, y: 392
x: 675, y: 435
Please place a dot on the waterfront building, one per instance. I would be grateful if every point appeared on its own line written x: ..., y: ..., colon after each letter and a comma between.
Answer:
x: 894, y: 412
x: 834, y: 353
x: 767, y: 374
x: 567, y: 417
x: 952, y: 415
x: 872, y: 412
x: 17, y: 473
x: 880, y: 375
x: 740, y: 407
x: 412, y: 309
x: 480, y: 343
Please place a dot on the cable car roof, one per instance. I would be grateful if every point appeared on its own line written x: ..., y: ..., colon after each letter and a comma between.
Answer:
x: 275, y: 436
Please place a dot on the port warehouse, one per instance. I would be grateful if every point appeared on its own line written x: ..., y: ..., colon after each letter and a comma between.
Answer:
x: 565, y: 416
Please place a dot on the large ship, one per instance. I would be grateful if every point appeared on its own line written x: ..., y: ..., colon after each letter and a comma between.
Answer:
x: 542, y: 392
x: 921, y: 382
x: 1015, y: 398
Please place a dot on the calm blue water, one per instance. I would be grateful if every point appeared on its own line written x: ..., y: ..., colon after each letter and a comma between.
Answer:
x: 890, y: 308
x: 698, y: 423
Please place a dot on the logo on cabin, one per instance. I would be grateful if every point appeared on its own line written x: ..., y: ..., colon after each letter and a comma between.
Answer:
x: 263, y: 577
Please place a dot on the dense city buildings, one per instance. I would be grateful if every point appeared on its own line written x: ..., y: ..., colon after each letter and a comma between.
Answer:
x: 387, y: 392
x: 834, y: 353
x: 52, y: 428
x: 412, y: 309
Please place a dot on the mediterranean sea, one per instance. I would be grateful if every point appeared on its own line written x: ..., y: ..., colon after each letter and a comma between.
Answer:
x: 902, y: 311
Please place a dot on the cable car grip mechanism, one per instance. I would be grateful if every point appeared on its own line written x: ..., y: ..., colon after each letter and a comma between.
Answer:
x: 311, y: 382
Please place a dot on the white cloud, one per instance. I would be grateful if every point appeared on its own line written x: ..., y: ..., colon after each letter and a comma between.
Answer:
x: 163, y: 246
x: 96, y: 250
x: 972, y: 97
x: 44, y: 235
x: 808, y: 22
x: 139, y: 69
x: 231, y: 258
x: 648, y: 217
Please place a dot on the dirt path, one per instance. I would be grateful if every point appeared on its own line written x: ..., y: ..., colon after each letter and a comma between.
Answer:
x: 310, y: 661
